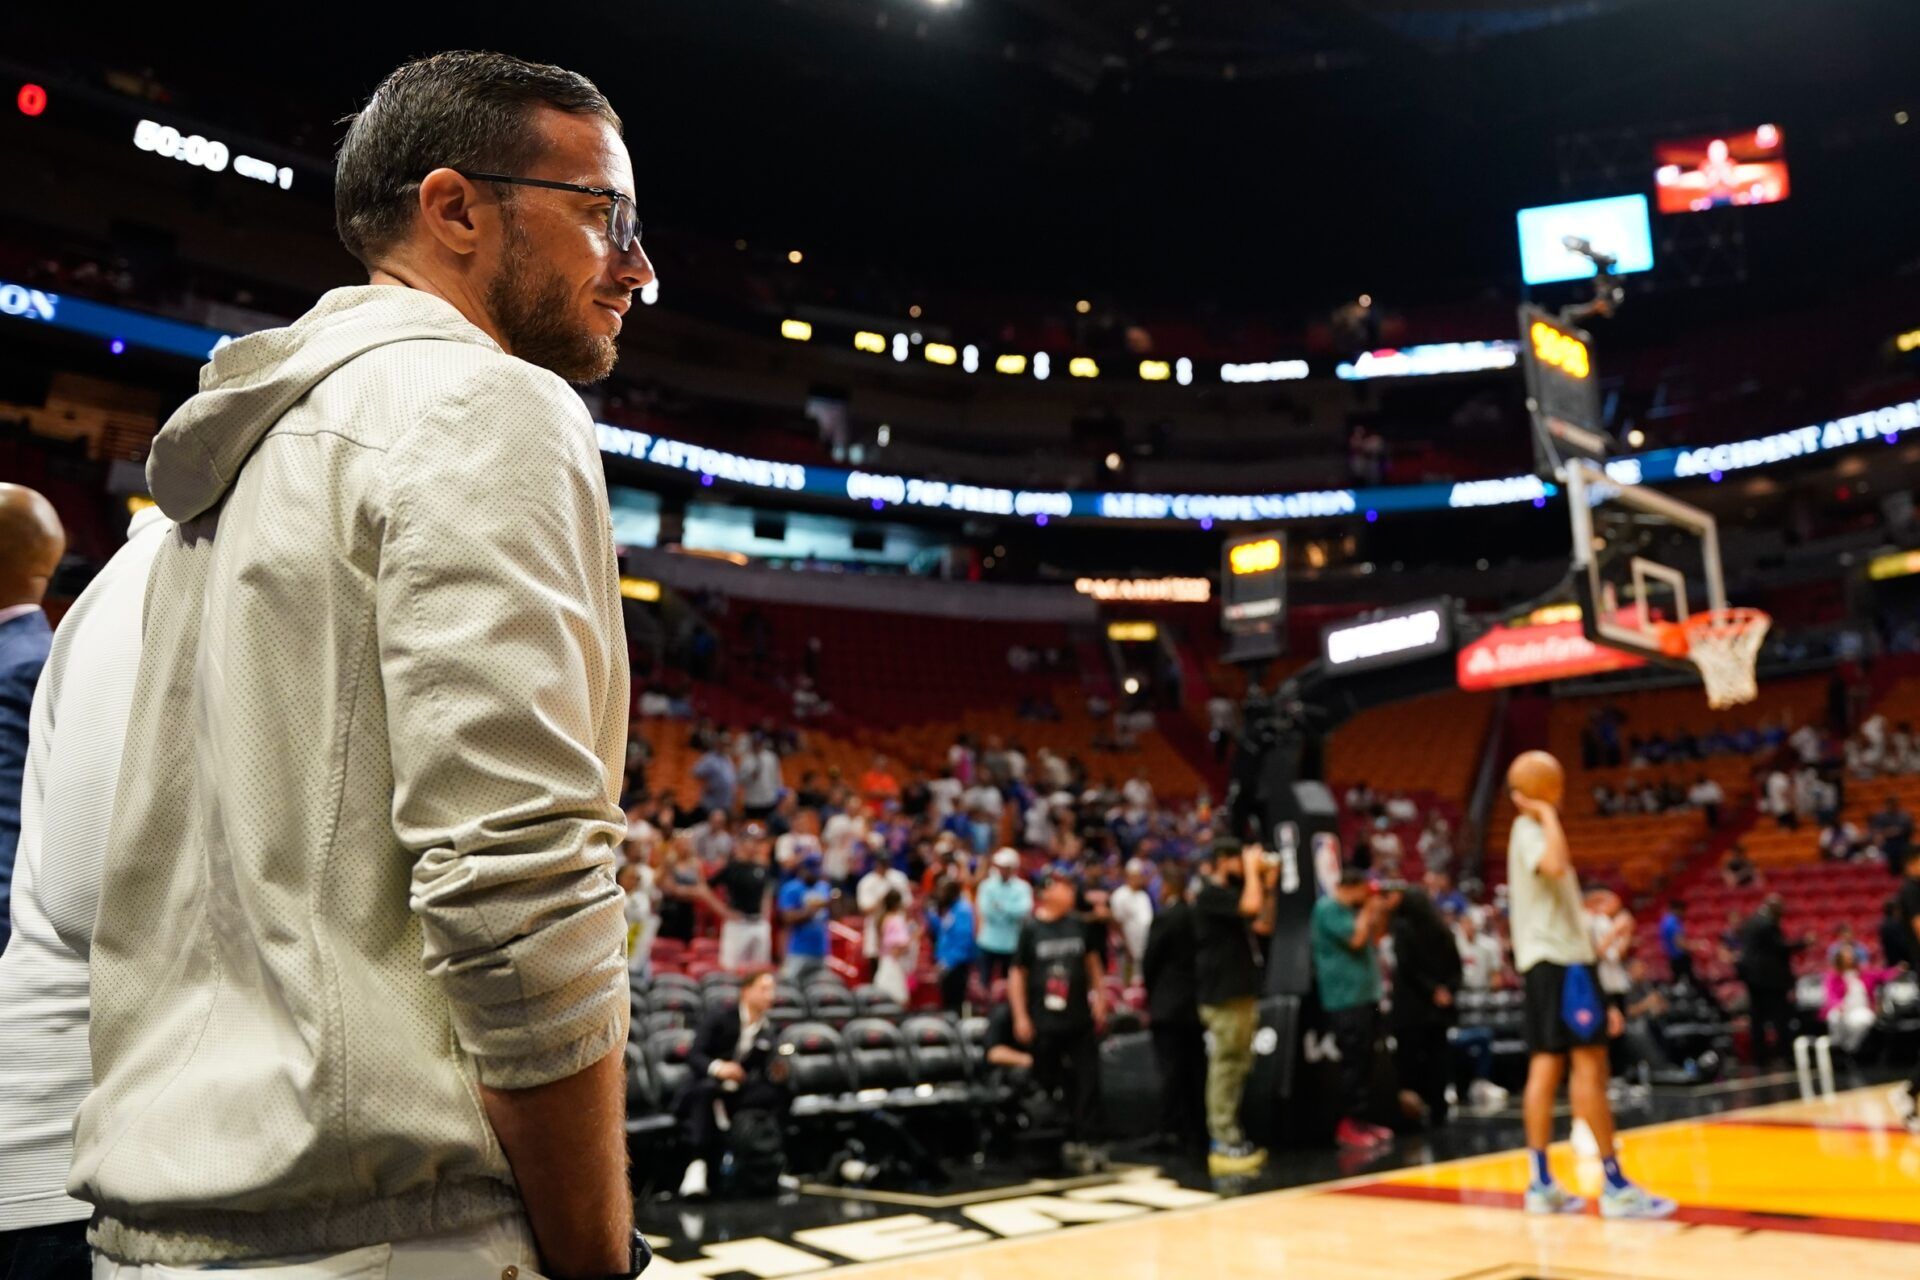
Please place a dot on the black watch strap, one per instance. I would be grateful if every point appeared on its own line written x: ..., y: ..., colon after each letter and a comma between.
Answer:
x: 639, y: 1254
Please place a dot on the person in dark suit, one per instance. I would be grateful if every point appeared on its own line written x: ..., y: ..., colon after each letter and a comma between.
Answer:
x: 1173, y: 1011
x: 1766, y: 966
x: 734, y: 1070
x: 1426, y: 978
x: 31, y: 544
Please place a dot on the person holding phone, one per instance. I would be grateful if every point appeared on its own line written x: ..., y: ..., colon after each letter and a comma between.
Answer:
x: 1233, y: 916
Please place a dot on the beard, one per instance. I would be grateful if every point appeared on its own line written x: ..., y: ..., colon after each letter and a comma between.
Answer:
x: 533, y: 308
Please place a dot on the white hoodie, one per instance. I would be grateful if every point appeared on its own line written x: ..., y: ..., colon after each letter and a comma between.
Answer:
x: 363, y: 846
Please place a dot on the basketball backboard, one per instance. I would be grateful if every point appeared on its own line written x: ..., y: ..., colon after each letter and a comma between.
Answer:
x: 1643, y: 562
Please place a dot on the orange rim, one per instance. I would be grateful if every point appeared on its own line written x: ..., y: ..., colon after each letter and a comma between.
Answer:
x: 1731, y: 622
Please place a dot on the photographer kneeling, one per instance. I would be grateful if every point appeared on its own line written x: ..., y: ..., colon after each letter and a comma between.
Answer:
x: 735, y: 1074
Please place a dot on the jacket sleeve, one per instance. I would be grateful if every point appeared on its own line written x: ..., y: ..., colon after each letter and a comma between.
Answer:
x: 714, y: 1042
x: 17, y: 680
x: 504, y: 669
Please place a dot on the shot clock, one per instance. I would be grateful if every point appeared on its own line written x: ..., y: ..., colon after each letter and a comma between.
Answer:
x: 1563, y: 393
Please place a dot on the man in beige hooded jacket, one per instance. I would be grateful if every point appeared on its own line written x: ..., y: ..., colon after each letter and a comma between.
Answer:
x: 359, y: 1001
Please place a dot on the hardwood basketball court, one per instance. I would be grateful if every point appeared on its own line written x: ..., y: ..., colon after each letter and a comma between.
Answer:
x: 1789, y: 1191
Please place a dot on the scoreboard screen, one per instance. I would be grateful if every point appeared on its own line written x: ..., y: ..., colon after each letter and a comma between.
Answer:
x: 1563, y: 393
x: 1253, y: 594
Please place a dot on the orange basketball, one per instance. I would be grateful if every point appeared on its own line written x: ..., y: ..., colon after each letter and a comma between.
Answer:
x: 1538, y: 776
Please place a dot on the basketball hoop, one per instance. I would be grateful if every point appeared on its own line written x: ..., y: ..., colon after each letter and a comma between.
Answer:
x: 1725, y: 646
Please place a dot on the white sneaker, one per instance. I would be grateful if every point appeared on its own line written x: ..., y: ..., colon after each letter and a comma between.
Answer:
x: 1631, y: 1201
x: 1901, y: 1102
x: 1553, y: 1198
x: 693, y: 1184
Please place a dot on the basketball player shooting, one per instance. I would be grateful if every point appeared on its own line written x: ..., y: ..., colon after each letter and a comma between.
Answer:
x: 1567, y: 1022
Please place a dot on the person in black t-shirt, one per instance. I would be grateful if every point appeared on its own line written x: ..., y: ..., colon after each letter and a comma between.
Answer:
x: 1233, y: 916
x: 1059, y: 1010
x: 1173, y: 1013
x: 746, y: 936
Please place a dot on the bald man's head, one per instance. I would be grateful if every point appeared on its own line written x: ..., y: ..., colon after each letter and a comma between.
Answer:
x: 31, y: 544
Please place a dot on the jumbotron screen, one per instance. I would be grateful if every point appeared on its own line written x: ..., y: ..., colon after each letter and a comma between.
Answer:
x: 1714, y: 171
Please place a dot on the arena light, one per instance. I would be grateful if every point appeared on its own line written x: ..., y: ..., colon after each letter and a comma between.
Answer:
x: 1155, y: 370
x: 1549, y: 614
x: 1155, y: 590
x: 1132, y: 632
x: 1042, y: 366
x: 795, y: 257
x: 1183, y: 371
x: 798, y: 330
x: 1083, y: 367
x: 645, y: 590
x: 1010, y: 363
x: 970, y: 358
x: 1908, y: 341
x: 869, y: 341
x: 941, y: 353
x: 1899, y: 564
x: 1430, y: 360
x: 901, y: 347
x: 32, y: 100
x: 650, y: 292
x: 1264, y: 371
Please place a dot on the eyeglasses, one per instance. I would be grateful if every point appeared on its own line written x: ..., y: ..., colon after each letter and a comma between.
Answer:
x: 623, y: 218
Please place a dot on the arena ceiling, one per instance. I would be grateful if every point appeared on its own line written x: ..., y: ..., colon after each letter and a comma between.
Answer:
x: 1193, y: 153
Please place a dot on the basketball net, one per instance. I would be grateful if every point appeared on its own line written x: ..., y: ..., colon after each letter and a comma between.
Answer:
x: 1725, y: 646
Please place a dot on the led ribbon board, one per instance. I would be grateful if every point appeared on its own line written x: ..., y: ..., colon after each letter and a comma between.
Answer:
x: 1887, y: 423
x: 1388, y: 637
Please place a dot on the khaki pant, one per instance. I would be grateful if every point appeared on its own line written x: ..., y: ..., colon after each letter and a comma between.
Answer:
x: 1232, y: 1026
x: 503, y: 1249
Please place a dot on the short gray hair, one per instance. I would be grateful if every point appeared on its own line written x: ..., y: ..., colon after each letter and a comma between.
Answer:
x: 457, y: 110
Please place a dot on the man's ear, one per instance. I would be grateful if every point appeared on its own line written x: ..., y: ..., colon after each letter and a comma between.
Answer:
x: 453, y: 209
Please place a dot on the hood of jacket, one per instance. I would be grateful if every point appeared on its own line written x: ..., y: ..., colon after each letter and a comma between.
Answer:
x: 251, y: 382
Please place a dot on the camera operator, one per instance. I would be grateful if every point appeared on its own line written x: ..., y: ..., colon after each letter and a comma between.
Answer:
x: 1426, y: 977
x: 1233, y: 915
x: 1347, y: 925
x: 1059, y: 1010
x: 734, y: 1071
